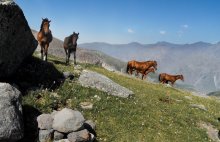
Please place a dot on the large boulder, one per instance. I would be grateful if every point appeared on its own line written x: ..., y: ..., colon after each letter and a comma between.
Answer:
x: 68, y: 120
x: 11, y: 121
x: 101, y: 82
x: 17, y: 41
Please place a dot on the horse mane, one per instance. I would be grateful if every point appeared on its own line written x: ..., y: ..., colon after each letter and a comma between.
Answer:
x: 44, y: 20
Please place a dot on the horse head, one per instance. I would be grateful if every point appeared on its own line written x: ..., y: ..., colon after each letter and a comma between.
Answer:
x: 155, y: 64
x: 45, y: 25
x: 75, y: 37
x: 181, y: 77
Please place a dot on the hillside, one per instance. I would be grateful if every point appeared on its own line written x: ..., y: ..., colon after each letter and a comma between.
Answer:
x: 84, y: 55
x: 196, y: 61
x: 155, y: 113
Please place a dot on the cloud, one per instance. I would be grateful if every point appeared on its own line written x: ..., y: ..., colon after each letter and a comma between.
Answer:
x: 162, y: 32
x: 185, y: 26
x: 130, y: 31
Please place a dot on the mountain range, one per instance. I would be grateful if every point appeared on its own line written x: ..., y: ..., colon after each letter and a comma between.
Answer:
x: 199, y: 62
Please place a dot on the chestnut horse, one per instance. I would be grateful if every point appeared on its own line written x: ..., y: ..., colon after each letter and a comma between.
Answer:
x: 44, y: 37
x: 145, y: 73
x: 165, y: 78
x: 69, y: 45
x: 140, y: 66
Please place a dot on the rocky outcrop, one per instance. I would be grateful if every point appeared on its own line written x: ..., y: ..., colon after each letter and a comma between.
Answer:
x: 11, y: 121
x: 17, y: 41
x: 66, y: 123
x: 103, y: 83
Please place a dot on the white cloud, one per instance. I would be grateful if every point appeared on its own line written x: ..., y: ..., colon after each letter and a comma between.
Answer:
x: 162, y: 32
x: 130, y: 30
x: 185, y: 26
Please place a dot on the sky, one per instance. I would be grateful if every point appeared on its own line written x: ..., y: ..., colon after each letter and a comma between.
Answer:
x: 125, y: 21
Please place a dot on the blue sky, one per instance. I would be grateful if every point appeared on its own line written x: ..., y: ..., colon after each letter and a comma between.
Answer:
x: 124, y: 21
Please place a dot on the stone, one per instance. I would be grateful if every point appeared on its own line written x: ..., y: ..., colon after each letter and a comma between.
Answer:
x: 17, y: 41
x: 58, y: 135
x: 202, y: 107
x: 11, y: 117
x: 212, y: 132
x: 63, y: 140
x: 103, y: 83
x: 68, y: 120
x: 80, y: 136
x: 46, y: 135
x: 45, y: 121
x: 86, y: 105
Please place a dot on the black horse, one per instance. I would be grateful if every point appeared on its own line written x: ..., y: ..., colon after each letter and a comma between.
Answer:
x: 69, y: 45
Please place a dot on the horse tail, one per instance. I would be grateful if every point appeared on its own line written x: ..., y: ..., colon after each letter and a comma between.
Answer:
x: 127, y: 67
x: 159, y: 77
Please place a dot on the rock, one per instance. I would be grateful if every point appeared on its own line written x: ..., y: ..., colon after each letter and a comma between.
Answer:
x: 202, y: 107
x: 58, y: 135
x: 188, y: 97
x: 68, y: 120
x: 63, y: 140
x: 210, y: 130
x: 80, y: 136
x: 90, y: 126
x: 86, y: 105
x: 67, y: 75
x: 17, y: 41
x: 11, y: 118
x: 101, y: 82
x: 45, y: 121
x: 108, y: 67
x: 46, y: 135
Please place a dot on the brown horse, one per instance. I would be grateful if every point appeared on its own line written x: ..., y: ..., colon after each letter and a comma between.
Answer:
x: 165, y: 78
x: 140, y: 66
x: 44, y: 37
x: 145, y: 73
x: 69, y: 45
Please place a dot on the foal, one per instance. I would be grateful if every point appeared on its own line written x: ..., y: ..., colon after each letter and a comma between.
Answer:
x: 165, y: 78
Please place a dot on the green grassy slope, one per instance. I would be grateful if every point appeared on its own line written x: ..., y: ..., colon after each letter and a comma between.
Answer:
x: 155, y: 113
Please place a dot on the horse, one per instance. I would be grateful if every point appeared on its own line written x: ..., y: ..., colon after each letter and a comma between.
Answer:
x: 140, y: 66
x: 44, y: 37
x: 70, y: 45
x: 165, y: 78
x: 145, y: 73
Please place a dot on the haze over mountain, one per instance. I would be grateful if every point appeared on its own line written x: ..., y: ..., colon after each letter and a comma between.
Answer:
x: 199, y: 62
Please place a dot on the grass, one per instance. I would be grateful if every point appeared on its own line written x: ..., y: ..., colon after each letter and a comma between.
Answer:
x: 145, y: 117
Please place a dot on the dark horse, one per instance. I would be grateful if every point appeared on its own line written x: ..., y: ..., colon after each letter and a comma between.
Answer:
x: 140, y: 67
x: 165, y: 78
x: 44, y: 38
x: 69, y: 45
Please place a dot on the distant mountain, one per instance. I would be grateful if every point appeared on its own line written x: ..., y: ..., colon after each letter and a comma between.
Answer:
x: 199, y: 62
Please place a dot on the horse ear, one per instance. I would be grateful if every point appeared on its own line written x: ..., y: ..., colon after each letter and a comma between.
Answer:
x: 49, y: 21
x: 78, y: 34
x: 42, y: 19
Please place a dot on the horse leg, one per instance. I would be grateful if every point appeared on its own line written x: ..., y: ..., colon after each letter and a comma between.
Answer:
x: 74, y: 54
x: 45, y: 52
x: 66, y: 51
x: 68, y: 58
x: 42, y: 51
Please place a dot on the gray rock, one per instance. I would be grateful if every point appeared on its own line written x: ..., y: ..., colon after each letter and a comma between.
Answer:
x: 63, y: 140
x: 80, y: 136
x: 58, y: 135
x: 46, y: 135
x: 17, y: 42
x: 86, y: 105
x: 68, y: 120
x: 11, y: 121
x: 45, y: 121
x: 212, y: 132
x: 202, y: 107
x: 101, y: 82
